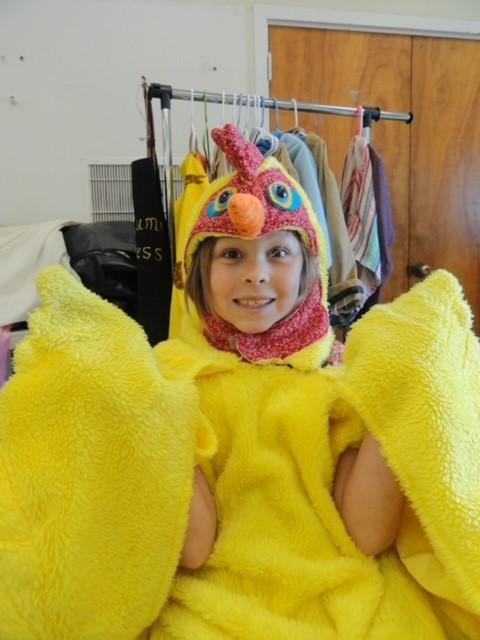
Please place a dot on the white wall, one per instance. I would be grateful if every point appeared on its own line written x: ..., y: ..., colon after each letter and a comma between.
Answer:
x: 76, y: 91
x: 461, y: 10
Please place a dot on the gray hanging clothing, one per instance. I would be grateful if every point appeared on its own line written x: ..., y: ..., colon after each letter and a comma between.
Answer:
x: 304, y: 163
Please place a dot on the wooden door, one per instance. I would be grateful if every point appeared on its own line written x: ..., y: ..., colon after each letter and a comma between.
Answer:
x: 445, y: 170
x: 350, y: 68
x: 433, y: 165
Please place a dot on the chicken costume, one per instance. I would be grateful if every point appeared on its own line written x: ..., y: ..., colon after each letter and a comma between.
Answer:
x: 99, y: 436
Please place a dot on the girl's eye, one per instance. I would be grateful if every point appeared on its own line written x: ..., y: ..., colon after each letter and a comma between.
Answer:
x: 279, y: 252
x: 218, y: 206
x: 231, y: 254
x: 284, y: 196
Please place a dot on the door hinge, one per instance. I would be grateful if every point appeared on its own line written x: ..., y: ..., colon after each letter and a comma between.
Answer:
x: 269, y: 66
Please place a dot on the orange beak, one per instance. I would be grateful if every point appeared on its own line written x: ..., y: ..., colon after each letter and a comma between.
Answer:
x: 246, y: 214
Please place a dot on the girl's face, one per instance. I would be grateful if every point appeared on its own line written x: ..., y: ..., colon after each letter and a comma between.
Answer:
x: 255, y: 283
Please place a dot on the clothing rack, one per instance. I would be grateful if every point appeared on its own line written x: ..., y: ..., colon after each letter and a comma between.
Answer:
x: 166, y: 94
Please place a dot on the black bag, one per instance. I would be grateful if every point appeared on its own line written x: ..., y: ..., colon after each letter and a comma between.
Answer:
x: 103, y: 254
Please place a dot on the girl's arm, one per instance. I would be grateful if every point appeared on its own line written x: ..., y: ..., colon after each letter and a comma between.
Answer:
x: 368, y: 497
x: 202, y: 525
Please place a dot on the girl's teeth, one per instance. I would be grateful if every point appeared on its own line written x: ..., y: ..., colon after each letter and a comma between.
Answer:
x: 253, y: 303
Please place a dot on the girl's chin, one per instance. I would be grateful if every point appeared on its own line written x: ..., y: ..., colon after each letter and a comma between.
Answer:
x: 254, y: 326
x: 252, y: 322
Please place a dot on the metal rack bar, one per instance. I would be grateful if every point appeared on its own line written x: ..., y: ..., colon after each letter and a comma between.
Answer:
x: 156, y: 90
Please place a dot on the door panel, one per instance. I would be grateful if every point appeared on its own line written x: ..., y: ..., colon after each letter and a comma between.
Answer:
x: 445, y: 188
x: 349, y: 68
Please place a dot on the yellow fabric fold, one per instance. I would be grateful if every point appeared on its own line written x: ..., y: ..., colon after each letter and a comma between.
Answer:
x: 96, y: 466
x: 412, y: 373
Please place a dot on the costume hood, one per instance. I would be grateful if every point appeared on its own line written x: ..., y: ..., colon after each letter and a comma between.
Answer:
x: 256, y: 199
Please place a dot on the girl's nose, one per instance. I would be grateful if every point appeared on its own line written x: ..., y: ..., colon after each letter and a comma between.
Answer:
x: 256, y: 271
x: 260, y: 279
x: 246, y: 214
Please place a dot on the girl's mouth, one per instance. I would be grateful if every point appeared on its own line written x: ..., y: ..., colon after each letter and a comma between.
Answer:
x: 253, y: 303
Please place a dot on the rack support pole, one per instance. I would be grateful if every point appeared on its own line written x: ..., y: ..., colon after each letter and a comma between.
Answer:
x: 164, y: 92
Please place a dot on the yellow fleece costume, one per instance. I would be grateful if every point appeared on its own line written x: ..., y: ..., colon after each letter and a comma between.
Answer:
x: 97, y: 447
x: 283, y: 565
x: 96, y: 464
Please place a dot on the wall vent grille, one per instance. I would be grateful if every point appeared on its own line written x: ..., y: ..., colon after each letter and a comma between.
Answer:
x: 111, y: 190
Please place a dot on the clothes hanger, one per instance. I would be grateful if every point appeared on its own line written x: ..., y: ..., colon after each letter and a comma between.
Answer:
x: 240, y: 105
x: 359, y: 119
x: 142, y: 89
x: 206, y: 132
x: 261, y: 137
x: 243, y: 115
x: 192, y: 139
x: 149, y: 124
x: 297, y: 129
x: 295, y: 113
x: 223, y: 108
x: 277, y: 132
x: 247, y: 116
x: 234, y: 108
x: 254, y: 131
x: 256, y: 112
x: 262, y: 119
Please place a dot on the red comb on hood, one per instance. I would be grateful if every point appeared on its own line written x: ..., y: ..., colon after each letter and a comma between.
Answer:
x: 241, y: 154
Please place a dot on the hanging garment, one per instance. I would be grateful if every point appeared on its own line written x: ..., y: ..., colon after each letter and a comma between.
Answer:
x: 219, y: 166
x: 304, y: 163
x: 345, y: 293
x: 266, y: 142
x: 4, y: 354
x: 193, y: 171
x: 358, y: 201
x: 24, y: 251
x: 337, y: 354
x: 154, y: 268
x: 283, y: 157
x: 271, y: 146
x: 386, y: 232
x: 153, y: 251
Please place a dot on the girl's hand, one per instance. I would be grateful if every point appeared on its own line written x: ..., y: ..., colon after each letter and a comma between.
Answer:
x: 202, y: 525
x: 368, y: 497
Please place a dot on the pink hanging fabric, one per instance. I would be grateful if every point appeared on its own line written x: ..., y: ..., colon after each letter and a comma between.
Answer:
x: 4, y: 353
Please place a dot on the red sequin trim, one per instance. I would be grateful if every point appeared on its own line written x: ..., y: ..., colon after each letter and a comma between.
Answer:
x: 307, y: 324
